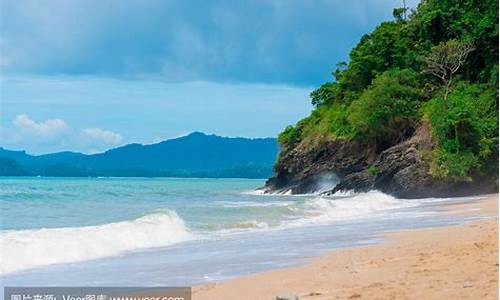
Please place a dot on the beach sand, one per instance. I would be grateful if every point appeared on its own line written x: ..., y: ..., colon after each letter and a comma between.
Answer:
x: 456, y: 262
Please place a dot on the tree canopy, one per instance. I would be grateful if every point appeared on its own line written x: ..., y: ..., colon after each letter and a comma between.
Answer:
x: 438, y: 65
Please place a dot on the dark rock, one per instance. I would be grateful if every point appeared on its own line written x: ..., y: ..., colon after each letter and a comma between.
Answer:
x: 298, y: 170
x: 357, y: 182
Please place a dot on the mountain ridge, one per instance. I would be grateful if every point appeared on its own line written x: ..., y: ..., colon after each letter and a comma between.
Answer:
x: 194, y: 155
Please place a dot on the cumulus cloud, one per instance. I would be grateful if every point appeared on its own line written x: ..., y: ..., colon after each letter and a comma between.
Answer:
x: 55, y: 135
x: 106, y: 136
x: 48, y: 128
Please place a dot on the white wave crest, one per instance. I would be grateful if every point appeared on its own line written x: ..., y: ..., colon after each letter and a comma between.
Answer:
x: 323, y: 210
x: 230, y: 204
x: 25, y: 249
x: 256, y: 192
x: 288, y: 193
x: 266, y: 192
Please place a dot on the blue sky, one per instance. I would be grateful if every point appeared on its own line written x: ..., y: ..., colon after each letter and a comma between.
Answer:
x: 88, y: 75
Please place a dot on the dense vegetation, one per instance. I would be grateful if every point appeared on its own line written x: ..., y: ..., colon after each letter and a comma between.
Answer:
x: 439, y: 66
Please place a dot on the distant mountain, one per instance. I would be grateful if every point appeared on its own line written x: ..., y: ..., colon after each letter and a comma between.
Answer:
x: 194, y: 155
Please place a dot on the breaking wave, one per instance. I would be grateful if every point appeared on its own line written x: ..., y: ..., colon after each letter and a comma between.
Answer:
x: 323, y: 210
x: 25, y: 249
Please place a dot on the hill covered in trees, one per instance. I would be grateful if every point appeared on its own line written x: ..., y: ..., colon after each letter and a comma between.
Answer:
x: 194, y: 155
x: 413, y: 113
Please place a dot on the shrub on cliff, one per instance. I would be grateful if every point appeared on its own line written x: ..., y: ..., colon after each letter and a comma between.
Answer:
x: 466, y: 129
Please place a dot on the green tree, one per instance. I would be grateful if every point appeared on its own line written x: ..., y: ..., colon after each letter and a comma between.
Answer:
x: 389, y: 104
x: 323, y: 95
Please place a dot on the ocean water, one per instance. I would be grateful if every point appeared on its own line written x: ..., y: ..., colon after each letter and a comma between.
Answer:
x: 167, y: 231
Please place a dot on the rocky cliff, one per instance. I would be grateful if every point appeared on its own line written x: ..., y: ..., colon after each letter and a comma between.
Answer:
x: 414, y: 113
x: 400, y: 170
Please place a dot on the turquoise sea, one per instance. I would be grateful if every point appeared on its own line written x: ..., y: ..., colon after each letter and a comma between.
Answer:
x: 168, y: 231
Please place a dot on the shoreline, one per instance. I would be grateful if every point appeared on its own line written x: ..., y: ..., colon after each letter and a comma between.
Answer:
x: 459, y: 261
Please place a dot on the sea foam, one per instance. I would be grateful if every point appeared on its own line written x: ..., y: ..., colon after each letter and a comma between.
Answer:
x: 324, y: 210
x: 25, y: 249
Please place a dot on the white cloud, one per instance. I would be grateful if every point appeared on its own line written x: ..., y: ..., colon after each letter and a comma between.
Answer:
x: 48, y: 128
x: 106, y: 136
x: 55, y: 135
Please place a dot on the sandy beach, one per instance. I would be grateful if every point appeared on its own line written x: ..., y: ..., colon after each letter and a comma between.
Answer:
x: 455, y: 262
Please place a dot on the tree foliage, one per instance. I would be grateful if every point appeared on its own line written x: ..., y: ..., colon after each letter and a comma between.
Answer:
x: 394, y: 80
x: 467, y: 131
x: 388, y: 105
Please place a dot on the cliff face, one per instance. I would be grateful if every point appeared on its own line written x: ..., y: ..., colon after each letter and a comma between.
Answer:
x: 299, y: 169
x: 400, y: 170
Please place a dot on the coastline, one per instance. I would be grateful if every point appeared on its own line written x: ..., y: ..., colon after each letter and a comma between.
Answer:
x: 458, y: 262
